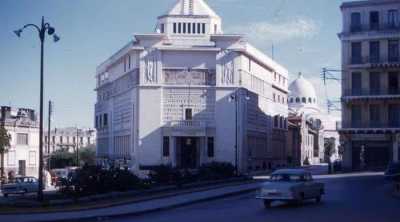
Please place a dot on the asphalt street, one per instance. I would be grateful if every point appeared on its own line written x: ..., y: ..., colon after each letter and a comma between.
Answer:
x: 352, y: 199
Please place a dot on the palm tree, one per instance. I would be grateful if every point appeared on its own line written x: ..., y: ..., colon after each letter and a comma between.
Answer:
x: 4, y: 145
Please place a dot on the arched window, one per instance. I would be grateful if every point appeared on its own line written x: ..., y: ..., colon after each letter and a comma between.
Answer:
x: 315, y: 100
x: 309, y: 100
x: 291, y: 100
x: 303, y: 100
x: 297, y: 100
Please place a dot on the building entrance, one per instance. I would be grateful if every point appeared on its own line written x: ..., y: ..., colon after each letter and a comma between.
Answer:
x: 187, y: 152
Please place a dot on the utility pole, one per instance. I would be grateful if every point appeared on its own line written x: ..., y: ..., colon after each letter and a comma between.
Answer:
x: 49, y: 134
x: 77, y: 148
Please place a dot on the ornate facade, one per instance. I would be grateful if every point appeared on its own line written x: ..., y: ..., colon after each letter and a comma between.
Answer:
x: 189, y: 94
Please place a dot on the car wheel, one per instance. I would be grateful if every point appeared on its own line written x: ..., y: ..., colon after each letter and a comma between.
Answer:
x: 267, y: 203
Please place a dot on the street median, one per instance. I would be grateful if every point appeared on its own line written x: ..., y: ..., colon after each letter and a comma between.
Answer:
x: 114, y: 205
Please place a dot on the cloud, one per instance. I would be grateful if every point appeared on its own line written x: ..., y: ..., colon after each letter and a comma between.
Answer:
x: 281, y: 31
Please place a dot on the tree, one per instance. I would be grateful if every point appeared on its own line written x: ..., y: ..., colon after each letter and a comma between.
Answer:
x: 87, y: 155
x: 329, y: 148
x: 61, y: 159
x: 4, y: 146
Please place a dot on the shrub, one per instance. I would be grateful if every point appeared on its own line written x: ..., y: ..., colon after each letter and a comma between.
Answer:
x: 216, y: 171
x: 94, y: 180
x: 165, y: 174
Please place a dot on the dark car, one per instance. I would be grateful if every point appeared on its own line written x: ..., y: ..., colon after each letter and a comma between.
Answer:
x: 393, y: 172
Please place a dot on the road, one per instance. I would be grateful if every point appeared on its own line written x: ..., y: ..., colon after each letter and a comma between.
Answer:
x: 364, y: 199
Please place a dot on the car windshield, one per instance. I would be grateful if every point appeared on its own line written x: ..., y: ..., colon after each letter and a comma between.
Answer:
x: 287, y: 177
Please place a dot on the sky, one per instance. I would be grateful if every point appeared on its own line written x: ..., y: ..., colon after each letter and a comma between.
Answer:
x: 303, y: 34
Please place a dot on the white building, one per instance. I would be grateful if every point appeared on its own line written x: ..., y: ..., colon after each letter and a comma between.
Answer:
x: 189, y: 94
x: 370, y: 83
x: 310, y: 123
x: 68, y: 139
x: 22, y: 157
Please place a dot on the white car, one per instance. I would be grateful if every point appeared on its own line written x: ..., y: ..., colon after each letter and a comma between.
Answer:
x: 21, y: 185
x: 290, y: 185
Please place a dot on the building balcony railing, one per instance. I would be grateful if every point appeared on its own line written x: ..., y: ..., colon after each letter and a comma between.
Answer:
x: 187, y: 124
x: 375, y: 60
x: 371, y: 92
x: 371, y: 125
x: 386, y: 27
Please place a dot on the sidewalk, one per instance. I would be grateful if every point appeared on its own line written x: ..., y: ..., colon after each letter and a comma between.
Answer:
x: 135, y: 208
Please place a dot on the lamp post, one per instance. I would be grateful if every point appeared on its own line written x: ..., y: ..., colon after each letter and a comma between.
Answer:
x: 42, y: 30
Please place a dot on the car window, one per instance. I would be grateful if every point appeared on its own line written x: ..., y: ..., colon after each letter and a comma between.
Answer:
x: 287, y: 178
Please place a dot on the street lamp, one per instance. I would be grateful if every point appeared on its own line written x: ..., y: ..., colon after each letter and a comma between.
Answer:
x: 42, y: 30
x: 234, y: 97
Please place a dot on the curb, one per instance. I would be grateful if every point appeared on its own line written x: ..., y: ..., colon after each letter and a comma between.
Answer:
x: 138, y: 213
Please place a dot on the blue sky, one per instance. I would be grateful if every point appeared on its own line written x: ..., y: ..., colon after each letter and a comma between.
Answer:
x: 303, y: 32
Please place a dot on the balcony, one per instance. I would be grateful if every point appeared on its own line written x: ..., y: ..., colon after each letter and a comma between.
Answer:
x: 369, y: 127
x: 187, y: 124
x: 371, y: 94
x: 378, y: 28
x: 186, y: 128
x: 375, y: 62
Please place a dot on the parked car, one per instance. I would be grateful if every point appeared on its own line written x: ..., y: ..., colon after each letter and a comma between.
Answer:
x: 393, y: 172
x: 21, y: 185
x: 290, y: 185
x: 57, y: 175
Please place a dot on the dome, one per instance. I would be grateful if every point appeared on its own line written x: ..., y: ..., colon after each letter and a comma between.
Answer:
x: 302, y: 94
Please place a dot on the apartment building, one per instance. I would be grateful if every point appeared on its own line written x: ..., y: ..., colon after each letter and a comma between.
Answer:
x: 370, y: 83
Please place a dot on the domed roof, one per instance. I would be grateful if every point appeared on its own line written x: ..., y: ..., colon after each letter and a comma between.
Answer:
x: 302, y: 96
x: 301, y: 87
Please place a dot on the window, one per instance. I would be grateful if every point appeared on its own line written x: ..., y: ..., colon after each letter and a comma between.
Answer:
x: 374, y: 20
x: 179, y: 27
x: 188, y: 114
x: 189, y: 26
x: 394, y: 117
x: 393, y: 50
x: 129, y: 62
x: 274, y: 97
x: 309, y: 100
x: 356, y: 116
x: 374, y: 52
x: 105, y: 119
x: 291, y: 100
x: 81, y: 140
x: 162, y: 28
x: 356, y: 83
x: 22, y: 139
x: 174, y: 27
x: 303, y: 100
x: 374, y: 115
x: 279, y: 98
x: 393, y: 16
x: 194, y: 28
x: 393, y: 82
x: 32, y: 158
x: 276, y: 121
x: 166, y: 146
x: 355, y: 22
x: 210, y: 147
x: 54, y: 139
x: 297, y: 100
x: 215, y: 29
x: 198, y: 28
x: 100, y: 121
x: 203, y: 28
x: 184, y: 27
x: 356, y: 53
x: 374, y: 83
x: 61, y: 139
x: 97, y: 122
x: 11, y: 158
